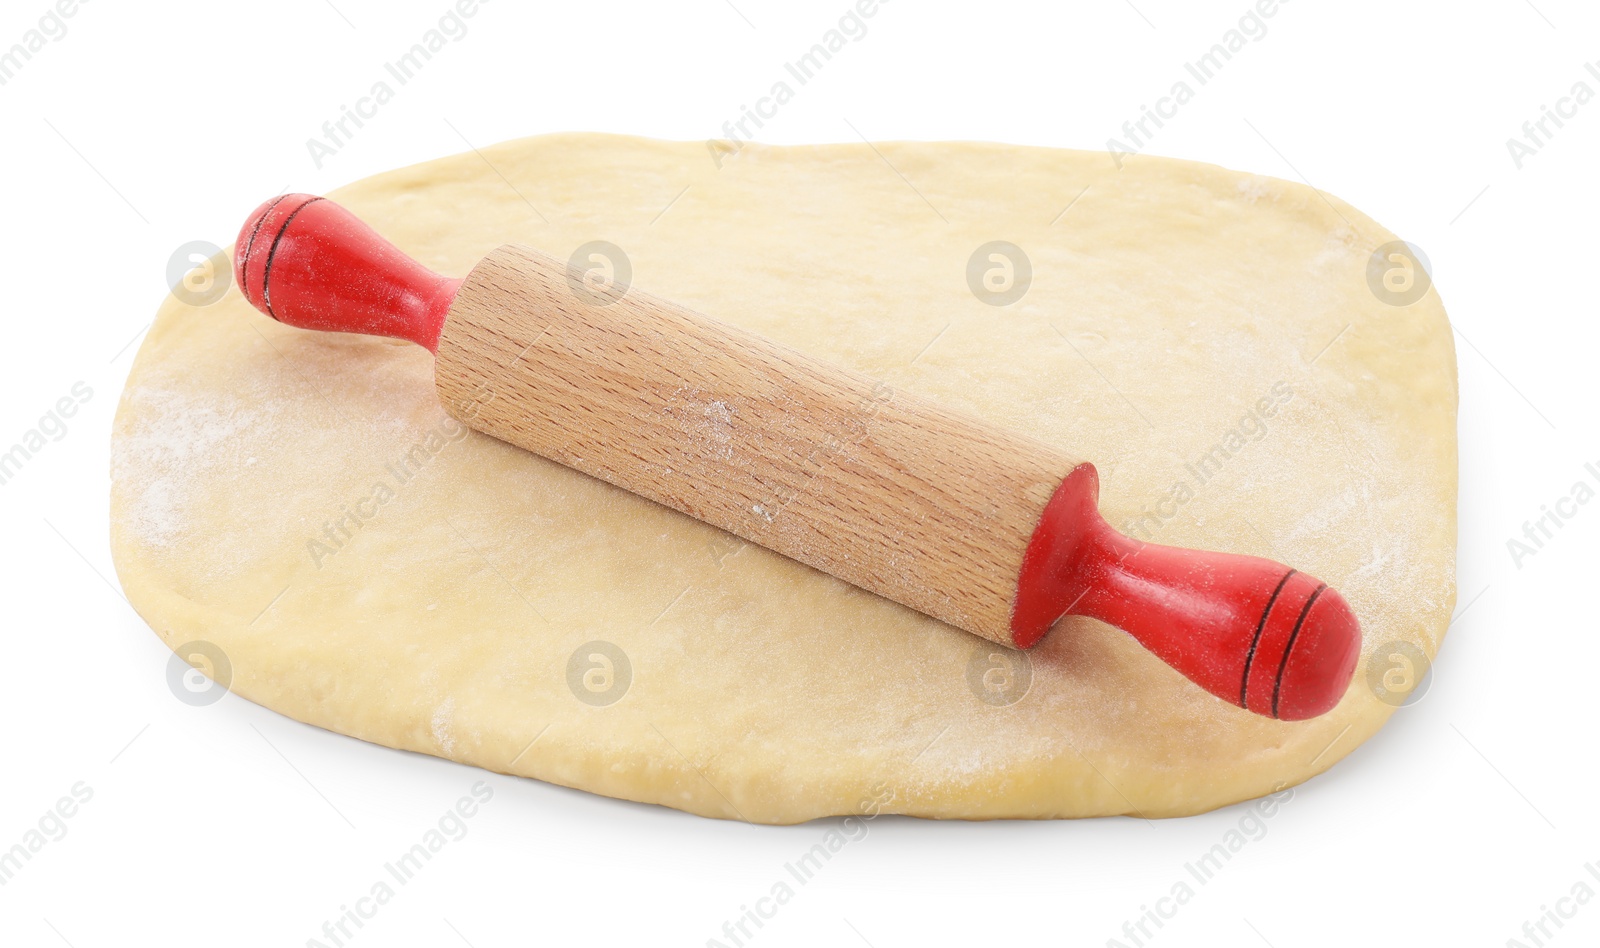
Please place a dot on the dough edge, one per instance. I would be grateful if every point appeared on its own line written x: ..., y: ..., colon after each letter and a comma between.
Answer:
x: 297, y: 683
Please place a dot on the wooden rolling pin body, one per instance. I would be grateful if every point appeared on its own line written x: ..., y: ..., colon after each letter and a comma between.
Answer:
x: 878, y: 487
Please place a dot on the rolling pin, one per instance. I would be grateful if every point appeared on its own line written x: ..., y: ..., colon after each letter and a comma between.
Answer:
x: 976, y: 525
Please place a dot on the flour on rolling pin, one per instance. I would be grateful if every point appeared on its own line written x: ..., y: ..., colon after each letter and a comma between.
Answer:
x: 974, y: 524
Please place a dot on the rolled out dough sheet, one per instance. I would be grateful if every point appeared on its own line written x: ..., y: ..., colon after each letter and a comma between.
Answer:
x: 1210, y: 338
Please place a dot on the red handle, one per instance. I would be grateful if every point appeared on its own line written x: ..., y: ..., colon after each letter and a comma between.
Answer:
x: 307, y: 262
x: 1253, y: 632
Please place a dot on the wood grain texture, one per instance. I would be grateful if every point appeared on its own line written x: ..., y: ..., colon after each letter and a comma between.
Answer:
x: 883, y: 489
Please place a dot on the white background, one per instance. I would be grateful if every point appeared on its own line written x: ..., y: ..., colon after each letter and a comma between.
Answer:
x: 150, y: 125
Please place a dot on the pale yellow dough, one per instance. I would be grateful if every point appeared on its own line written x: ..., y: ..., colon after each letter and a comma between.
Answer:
x: 1164, y: 304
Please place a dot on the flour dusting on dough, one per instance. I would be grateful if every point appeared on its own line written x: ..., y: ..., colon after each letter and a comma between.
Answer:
x: 440, y: 726
x: 1254, y: 187
x: 181, y: 438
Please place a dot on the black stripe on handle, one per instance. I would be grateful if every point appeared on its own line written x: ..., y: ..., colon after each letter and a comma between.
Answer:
x: 1277, y: 687
x: 266, y: 273
x: 1250, y: 657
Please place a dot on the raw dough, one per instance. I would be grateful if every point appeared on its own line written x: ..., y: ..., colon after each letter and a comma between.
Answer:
x: 1167, y: 305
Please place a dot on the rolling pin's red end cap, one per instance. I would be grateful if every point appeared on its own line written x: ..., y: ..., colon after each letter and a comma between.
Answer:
x: 307, y: 262
x: 1322, y: 661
